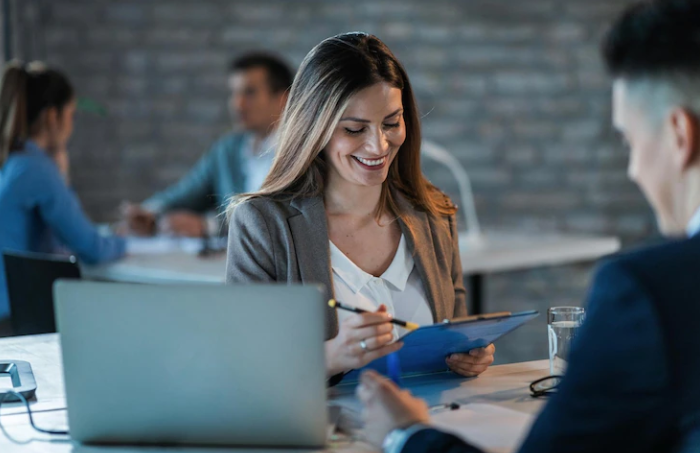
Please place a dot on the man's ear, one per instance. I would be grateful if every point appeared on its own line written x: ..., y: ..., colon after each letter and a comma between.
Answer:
x: 685, y: 127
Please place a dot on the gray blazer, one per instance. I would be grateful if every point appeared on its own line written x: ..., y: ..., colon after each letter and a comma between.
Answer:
x: 287, y: 241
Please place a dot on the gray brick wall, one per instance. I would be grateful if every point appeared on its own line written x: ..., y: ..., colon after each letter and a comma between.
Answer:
x: 515, y: 89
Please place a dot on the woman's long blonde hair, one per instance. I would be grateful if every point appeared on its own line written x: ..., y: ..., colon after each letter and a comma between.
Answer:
x: 329, y: 76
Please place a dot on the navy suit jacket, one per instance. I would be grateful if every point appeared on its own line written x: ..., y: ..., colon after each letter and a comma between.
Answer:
x: 633, y: 381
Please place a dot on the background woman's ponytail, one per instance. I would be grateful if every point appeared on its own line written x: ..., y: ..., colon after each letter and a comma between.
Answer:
x: 25, y: 92
x: 13, y: 109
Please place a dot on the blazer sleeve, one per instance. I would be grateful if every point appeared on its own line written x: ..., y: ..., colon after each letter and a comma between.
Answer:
x: 251, y: 255
x: 435, y: 441
x: 60, y: 209
x: 457, y: 276
x: 613, y: 395
x: 194, y: 191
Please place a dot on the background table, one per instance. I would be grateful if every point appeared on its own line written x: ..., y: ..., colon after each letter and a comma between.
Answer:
x: 507, y: 251
x: 163, y: 260
x: 496, y: 409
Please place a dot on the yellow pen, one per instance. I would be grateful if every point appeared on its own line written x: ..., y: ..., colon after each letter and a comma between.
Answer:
x: 405, y: 324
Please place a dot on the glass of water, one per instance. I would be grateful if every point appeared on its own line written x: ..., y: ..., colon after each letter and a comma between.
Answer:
x: 563, y: 324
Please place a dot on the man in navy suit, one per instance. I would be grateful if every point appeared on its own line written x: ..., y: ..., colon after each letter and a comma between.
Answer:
x: 633, y: 381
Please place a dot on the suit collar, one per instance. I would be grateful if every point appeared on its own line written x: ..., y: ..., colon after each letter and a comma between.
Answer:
x: 310, y: 233
x: 309, y: 205
x: 693, y: 228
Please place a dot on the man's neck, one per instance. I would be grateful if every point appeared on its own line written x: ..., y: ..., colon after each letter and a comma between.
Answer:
x: 689, y: 199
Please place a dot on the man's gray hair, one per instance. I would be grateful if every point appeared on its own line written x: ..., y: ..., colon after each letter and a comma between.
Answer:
x: 661, y: 94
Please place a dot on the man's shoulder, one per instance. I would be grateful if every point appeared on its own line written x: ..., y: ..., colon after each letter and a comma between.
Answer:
x: 231, y: 142
x: 665, y: 272
x: 670, y: 254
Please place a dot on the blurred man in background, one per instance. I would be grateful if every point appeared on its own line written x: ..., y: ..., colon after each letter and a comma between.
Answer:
x: 236, y: 163
x: 633, y: 381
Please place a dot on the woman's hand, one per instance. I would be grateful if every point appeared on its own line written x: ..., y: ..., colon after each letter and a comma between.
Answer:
x: 361, y: 339
x: 473, y: 363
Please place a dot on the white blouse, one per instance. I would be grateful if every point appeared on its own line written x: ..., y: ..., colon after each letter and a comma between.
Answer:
x: 399, y: 288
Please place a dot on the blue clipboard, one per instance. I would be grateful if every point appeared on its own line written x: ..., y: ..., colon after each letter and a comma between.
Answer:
x: 425, y: 349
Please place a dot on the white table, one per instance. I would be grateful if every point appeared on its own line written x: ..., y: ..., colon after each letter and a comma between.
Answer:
x: 496, y: 409
x: 177, y: 261
x: 503, y: 251
x: 163, y: 260
x: 171, y: 267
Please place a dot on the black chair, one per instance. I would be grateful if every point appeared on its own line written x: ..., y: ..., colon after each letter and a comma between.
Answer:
x: 30, y: 278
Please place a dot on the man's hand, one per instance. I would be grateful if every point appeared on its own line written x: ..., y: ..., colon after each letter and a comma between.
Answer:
x: 139, y: 221
x: 386, y: 407
x: 183, y: 223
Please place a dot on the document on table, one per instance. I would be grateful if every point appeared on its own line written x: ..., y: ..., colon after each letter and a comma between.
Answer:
x: 162, y: 244
x: 492, y: 428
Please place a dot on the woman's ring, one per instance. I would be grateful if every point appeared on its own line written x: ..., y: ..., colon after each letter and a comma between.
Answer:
x: 363, y: 345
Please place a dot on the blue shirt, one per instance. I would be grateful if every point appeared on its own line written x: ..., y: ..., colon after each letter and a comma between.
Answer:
x: 39, y: 213
x: 257, y: 162
x: 219, y: 174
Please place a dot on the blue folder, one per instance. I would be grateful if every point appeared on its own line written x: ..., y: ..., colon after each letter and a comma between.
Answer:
x: 425, y: 349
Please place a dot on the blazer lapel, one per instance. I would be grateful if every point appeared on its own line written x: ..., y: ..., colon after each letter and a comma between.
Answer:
x: 310, y: 233
x: 419, y: 239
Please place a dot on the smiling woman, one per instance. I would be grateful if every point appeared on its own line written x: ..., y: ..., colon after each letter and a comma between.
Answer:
x: 367, y: 139
x: 346, y: 205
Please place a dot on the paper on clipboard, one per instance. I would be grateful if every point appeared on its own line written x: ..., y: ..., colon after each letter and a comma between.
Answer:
x: 425, y: 349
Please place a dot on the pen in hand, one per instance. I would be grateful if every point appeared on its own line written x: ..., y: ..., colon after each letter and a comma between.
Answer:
x: 405, y: 324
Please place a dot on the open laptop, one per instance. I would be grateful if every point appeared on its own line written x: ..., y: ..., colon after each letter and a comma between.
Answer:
x: 193, y: 364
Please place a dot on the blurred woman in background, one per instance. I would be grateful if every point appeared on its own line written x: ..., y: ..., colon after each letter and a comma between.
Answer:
x: 346, y: 205
x: 38, y: 211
